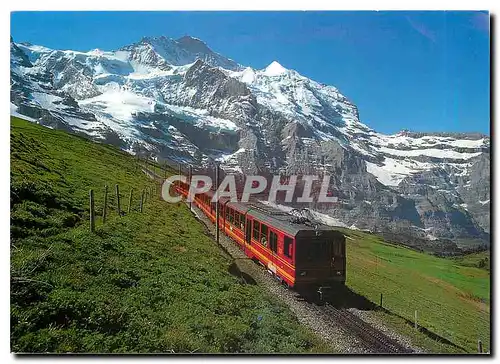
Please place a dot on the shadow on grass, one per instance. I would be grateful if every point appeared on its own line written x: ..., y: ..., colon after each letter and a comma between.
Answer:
x: 344, y: 297
x: 430, y: 334
x: 245, y: 277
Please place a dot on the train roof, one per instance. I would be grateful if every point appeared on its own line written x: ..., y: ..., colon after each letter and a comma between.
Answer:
x: 272, y: 216
x: 283, y: 220
x: 240, y: 207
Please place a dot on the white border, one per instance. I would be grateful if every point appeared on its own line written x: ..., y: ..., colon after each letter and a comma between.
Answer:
x: 183, y: 5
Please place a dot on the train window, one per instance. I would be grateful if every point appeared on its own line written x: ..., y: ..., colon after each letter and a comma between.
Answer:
x: 256, y: 230
x: 273, y: 241
x: 230, y: 216
x: 287, y: 247
x: 236, y: 218
x: 263, y: 234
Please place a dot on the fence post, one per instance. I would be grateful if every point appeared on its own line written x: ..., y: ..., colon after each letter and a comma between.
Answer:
x: 381, y: 300
x: 92, y: 217
x: 180, y: 174
x: 217, y: 212
x: 105, y: 209
x: 189, y: 181
x: 416, y: 324
x: 142, y: 200
x: 117, y: 190
x: 130, y: 201
x: 479, y: 346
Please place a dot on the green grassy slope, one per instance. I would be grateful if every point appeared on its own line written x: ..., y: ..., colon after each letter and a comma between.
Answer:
x: 452, y: 300
x: 144, y: 282
x: 478, y: 260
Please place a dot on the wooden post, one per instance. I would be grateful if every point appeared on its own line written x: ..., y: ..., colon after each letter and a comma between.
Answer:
x: 117, y: 190
x: 142, y: 200
x: 189, y: 182
x: 381, y: 300
x: 180, y: 174
x: 479, y: 346
x: 217, y: 203
x: 130, y: 201
x: 165, y: 171
x: 416, y: 324
x: 92, y: 217
x: 105, y: 209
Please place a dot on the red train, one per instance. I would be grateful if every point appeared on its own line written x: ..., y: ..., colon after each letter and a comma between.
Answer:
x: 302, y: 256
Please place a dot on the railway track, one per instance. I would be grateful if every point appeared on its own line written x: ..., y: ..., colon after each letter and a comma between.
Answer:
x: 373, y: 339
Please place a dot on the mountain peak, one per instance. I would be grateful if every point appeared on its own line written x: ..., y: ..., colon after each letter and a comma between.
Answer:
x: 193, y: 44
x: 274, y: 69
x: 177, y: 52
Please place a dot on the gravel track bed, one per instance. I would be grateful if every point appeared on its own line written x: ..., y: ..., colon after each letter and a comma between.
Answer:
x: 370, y: 318
x: 338, y: 337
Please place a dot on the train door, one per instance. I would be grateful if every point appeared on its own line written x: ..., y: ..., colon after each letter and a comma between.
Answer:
x: 248, y: 234
x: 260, y: 240
x: 289, y: 249
x: 273, y: 247
x: 338, y: 262
x: 248, y: 230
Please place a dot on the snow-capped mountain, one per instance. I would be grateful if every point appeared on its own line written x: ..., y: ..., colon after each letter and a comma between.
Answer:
x: 178, y: 99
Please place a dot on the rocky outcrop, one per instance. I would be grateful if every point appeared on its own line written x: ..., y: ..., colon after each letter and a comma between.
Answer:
x: 179, y: 100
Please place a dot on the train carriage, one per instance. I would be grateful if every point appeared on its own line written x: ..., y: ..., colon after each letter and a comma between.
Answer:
x: 302, y: 255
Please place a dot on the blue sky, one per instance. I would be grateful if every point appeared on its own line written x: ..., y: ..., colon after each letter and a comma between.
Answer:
x: 423, y: 71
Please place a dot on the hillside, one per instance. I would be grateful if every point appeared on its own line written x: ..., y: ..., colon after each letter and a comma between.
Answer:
x: 452, y: 296
x: 143, y: 282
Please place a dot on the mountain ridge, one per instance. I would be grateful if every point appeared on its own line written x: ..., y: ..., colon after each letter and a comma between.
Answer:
x: 178, y: 99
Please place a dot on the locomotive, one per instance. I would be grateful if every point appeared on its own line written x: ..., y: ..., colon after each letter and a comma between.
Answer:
x: 304, y: 256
